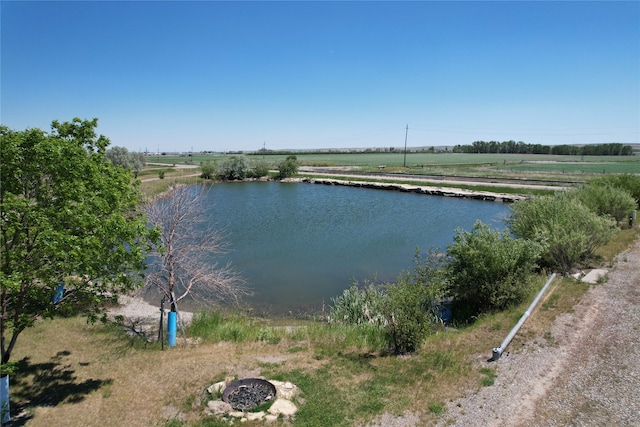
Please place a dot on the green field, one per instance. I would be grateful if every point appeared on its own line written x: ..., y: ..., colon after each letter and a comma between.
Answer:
x: 445, y: 163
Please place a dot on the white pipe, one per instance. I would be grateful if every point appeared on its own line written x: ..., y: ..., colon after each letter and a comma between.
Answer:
x: 497, y: 351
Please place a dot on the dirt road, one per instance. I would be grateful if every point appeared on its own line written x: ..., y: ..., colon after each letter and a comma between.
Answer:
x: 586, y: 373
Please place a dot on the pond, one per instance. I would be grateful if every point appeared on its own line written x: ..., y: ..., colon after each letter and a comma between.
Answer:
x: 299, y: 245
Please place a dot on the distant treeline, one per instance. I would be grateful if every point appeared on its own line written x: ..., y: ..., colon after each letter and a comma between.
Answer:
x: 512, y: 147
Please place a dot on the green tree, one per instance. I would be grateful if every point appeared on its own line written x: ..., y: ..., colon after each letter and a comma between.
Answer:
x: 288, y: 167
x: 489, y: 270
x: 120, y: 156
x: 71, y: 234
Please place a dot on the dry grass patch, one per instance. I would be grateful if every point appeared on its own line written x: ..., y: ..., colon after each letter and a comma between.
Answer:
x: 74, y: 374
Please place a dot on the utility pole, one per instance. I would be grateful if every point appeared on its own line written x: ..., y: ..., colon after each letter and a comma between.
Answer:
x: 406, y: 133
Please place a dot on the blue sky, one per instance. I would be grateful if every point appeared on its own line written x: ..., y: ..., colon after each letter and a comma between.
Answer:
x: 213, y: 75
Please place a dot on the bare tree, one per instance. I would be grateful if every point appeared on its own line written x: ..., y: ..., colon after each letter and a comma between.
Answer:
x: 185, y: 263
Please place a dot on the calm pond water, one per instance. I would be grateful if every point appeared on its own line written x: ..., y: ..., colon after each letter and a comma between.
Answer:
x: 298, y: 245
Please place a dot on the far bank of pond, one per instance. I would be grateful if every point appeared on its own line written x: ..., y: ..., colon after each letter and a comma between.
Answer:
x: 299, y: 245
x: 419, y: 189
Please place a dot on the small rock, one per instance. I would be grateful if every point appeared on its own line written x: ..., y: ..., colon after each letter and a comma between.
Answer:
x: 594, y: 276
x: 218, y: 407
x: 283, y: 406
x: 255, y: 416
x: 217, y: 387
x: 270, y: 418
x: 236, y: 414
x: 286, y: 390
x: 576, y: 275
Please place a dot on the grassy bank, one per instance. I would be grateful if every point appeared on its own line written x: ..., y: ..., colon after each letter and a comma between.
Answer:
x: 71, y: 373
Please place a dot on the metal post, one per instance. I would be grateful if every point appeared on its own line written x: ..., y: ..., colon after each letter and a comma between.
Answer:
x: 161, y: 329
x: 497, y: 351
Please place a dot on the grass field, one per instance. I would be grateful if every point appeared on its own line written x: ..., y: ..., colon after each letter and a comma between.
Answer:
x: 452, y: 163
x: 495, y: 166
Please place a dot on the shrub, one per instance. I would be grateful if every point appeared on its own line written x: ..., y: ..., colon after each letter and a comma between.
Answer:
x: 489, y: 270
x: 625, y: 181
x: 208, y: 169
x: 411, y: 311
x: 606, y: 199
x: 259, y: 170
x: 567, y: 230
x: 288, y: 167
x: 412, y: 303
x: 358, y: 305
x: 406, y: 309
x: 234, y: 168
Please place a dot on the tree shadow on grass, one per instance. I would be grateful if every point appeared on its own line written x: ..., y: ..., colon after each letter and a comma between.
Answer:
x: 47, y: 384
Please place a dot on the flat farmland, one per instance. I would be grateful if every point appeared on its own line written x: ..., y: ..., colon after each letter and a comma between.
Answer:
x: 576, y: 168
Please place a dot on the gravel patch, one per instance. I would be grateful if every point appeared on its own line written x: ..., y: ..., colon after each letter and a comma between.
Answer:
x: 141, y: 318
x: 409, y: 419
x: 588, y: 375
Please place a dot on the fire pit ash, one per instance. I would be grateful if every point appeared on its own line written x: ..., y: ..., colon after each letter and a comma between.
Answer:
x: 248, y: 393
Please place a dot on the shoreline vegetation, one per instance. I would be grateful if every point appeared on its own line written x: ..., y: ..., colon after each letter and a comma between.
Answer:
x: 344, y: 377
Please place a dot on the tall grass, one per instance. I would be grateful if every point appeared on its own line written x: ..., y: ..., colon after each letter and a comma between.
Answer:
x: 214, y: 326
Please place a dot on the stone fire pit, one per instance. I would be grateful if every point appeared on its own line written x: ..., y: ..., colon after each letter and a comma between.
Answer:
x: 249, y: 393
x: 239, y: 398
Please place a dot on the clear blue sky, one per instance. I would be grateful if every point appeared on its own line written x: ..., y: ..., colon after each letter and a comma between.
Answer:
x: 213, y: 75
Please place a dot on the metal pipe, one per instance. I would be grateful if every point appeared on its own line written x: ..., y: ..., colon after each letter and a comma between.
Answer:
x: 497, y: 351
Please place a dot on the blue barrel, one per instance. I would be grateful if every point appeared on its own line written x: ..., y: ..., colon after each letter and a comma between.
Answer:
x: 172, y: 328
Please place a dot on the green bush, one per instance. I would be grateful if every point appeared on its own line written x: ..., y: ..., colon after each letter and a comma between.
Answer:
x: 260, y: 169
x: 208, y: 169
x: 625, y: 181
x: 233, y: 169
x: 606, y: 199
x: 568, y: 231
x: 412, y: 303
x: 406, y: 309
x: 489, y: 270
x: 288, y: 167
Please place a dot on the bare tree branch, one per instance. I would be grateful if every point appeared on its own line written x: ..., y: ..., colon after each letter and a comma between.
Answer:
x: 185, y: 263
